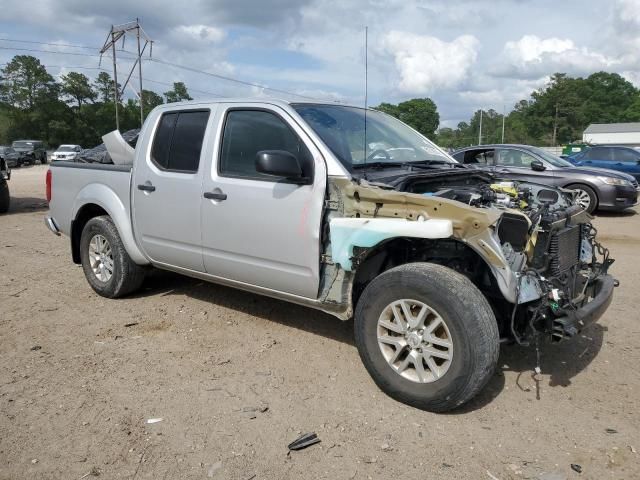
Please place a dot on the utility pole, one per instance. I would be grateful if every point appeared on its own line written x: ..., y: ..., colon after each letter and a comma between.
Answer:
x: 555, y: 127
x: 119, y: 32
x: 503, y: 116
x: 480, y: 131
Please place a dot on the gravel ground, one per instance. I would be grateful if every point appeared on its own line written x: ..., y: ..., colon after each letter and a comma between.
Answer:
x: 235, y: 377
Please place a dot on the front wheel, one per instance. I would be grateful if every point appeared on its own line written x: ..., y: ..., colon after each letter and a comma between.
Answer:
x: 106, y: 264
x: 585, y: 197
x: 427, y: 336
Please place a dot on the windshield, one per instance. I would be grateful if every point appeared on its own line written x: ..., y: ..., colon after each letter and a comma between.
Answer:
x: 388, y: 140
x: 22, y: 144
x: 67, y: 148
x: 552, y: 159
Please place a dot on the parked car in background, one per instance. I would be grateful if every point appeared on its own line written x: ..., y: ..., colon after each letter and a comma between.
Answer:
x: 622, y: 159
x: 30, y: 151
x: 5, y: 175
x: 66, y: 152
x: 596, y: 188
x: 10, y: 156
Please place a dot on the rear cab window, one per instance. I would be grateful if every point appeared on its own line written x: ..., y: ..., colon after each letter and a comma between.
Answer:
x: 177, y: 143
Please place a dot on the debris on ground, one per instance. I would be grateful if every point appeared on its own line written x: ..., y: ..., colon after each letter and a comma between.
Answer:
x: 576, y: 468
x: 35, y: 348
x: 130, y: 324
x: 611, y: 430
x: 154, y: 420
x: 492, y: 476
x: 304, y: 441
x: 386, y: 447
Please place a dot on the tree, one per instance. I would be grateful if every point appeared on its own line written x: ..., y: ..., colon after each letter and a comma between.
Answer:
x: 419, y: 113
x: 77, y: 87
x: 104, y: 86
x: 150, y: 100
x: 178, y: 94
x: 25, y: 82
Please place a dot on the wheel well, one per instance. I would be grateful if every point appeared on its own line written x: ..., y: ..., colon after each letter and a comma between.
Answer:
x: 86, y: 213
x: 448, y: 252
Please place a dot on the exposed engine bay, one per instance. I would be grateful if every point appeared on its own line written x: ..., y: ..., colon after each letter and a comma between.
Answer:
x: 548, y: 242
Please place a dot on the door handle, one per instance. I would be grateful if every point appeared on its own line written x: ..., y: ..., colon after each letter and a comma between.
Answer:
x: 215, y: 195
x: 146, y: 187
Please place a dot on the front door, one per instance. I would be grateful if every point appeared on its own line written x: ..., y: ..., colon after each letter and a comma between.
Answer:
x: 260, y: 229
x: 515, y: 164
x: 167, y: 190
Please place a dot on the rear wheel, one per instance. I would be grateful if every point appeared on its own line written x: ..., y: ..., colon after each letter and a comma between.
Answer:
x: 586, y: 197
x: 5, y: 199
x: 106, y: 264
x: 427, y: 336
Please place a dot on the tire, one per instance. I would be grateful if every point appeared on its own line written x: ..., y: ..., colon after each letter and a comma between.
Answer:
x: 469, y: 324
x: 125, y: 277
x: 5, y: 199
x: 589, y: 192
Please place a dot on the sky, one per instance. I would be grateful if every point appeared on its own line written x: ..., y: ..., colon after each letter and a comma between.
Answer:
x: 465, y: 55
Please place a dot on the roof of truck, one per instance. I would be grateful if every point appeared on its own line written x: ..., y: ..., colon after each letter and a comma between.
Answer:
x: 271, y: 100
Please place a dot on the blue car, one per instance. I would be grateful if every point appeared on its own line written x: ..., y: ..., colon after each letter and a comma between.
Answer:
x: 623, y: 159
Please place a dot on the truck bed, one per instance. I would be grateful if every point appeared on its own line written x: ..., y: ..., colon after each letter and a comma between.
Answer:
x: 75, y: 184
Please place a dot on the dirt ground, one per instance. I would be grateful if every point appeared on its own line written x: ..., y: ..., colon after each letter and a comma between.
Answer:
x: 235, y: 377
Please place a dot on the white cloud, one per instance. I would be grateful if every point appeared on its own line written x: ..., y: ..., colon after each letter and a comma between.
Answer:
x: 198, y: 33
x: 533, y: 57
x: 427, y: 63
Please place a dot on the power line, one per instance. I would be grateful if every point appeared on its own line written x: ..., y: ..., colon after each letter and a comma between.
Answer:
x: 77, y: 54
x: 15, y: 40
x: 230, y: 79
x: 155, y: 60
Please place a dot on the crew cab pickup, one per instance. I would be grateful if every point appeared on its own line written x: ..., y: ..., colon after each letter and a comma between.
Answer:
x: 345, y: 210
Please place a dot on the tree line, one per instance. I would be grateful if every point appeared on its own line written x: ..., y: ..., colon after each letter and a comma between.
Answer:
x: 555, y: 114
x: 73, y: 109
x: 76, y: 109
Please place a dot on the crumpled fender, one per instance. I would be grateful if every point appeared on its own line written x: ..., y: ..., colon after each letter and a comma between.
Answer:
x: 347, y: 233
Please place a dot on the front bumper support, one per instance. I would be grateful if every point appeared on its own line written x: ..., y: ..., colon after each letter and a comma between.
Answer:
x: 574, y: 321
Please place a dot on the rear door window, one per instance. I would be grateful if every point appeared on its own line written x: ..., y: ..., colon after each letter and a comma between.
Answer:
x: 479, y: 157
x: 177, y: 143
x: 624, y: 155
x: 598, y: 153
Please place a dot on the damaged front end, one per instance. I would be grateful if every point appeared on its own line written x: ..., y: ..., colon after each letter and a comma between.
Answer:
x: 528, y: 248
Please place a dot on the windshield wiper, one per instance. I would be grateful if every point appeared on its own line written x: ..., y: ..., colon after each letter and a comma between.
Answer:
x: 379, y: 165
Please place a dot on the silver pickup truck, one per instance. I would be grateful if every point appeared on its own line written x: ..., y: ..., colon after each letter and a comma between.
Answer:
x: 348, y: 211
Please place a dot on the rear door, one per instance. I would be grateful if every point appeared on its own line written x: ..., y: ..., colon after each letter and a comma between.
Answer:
x: 259, y: 229
x: 167, y: 189
x: 626, y: 160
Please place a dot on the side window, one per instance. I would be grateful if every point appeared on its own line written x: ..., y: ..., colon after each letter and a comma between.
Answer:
x: 178, y: 141
x: 246, y: 132
x: 624, y: 155
x: 597, y: 153
x: 514, y: 158
x: 475, y: 157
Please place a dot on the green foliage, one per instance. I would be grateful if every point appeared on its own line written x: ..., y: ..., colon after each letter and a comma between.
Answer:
x: 555, y: 114
x: 178, y: 94
x: 419, y: 113
x: 74, y: 110
x: 76, y: 86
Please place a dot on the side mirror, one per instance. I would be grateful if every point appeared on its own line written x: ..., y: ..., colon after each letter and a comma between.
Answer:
x: 279, y: 163
x: 538, y: 166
